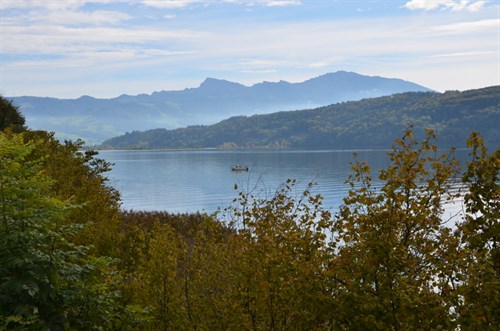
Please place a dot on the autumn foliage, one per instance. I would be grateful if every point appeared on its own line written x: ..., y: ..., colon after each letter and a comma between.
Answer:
x: 388, y: 259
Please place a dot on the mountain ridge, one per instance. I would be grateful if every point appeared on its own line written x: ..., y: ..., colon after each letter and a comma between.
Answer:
x: 95, y: 120
x: 368, y: 123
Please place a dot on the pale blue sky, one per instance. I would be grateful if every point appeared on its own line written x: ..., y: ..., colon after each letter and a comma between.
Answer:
x: 104, y: 48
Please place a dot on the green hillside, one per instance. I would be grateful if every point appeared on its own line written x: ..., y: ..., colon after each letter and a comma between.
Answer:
x: 369, y: 123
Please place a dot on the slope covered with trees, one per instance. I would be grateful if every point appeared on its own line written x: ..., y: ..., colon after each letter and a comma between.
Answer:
x: 71, y: 260
x: 369, y: 123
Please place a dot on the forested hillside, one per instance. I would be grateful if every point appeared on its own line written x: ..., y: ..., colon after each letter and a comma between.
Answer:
x: 369, y: 123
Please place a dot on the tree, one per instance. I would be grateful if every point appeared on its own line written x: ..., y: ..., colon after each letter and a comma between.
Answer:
x: 478, y: 294
x: 79, y: 176
x: 387, y: 269
x: 278, y: 263
x: 159, y: 279
x: 38, y: 263
x: 47, y: 281
x: 10, y: 117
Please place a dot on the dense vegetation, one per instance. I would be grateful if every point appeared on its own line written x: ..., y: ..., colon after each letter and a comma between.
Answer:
x: 369, y: 123
x: 71, y: 260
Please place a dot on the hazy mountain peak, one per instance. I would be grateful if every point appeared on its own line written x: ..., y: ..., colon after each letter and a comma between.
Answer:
x: 86, y: 98
x: 214, y: 83
x: 266, y: 83
x: 214, y: 100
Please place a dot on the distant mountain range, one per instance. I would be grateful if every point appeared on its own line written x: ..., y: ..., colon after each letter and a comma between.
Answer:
x: 95, y: 120
x: 369, y: 123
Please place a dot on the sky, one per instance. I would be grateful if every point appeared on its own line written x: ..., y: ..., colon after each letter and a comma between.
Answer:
x: 105, y: 48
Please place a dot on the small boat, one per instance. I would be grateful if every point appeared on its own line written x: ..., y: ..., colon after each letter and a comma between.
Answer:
x: 239, y: 168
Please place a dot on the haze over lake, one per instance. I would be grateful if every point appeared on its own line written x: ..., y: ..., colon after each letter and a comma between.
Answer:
x: 202, y: 180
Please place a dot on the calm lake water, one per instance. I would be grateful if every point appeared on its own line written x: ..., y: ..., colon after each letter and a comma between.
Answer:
x: 202, y: 180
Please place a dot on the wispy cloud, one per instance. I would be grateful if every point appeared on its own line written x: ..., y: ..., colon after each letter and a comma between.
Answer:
x: 281, y: 3
x: 468, y: 27
x: 170, y: 4
x: 49, y: 4
x: 63, y: 40
x: 454, y: 5
x: 460, y: 54
x: 72, y: 17
x: 60, y: 13
x: 174, y: 4
x: 257, y: 71
x: 320, y: 64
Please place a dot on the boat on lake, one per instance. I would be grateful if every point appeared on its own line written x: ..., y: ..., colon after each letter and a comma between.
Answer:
x: 239, y: 168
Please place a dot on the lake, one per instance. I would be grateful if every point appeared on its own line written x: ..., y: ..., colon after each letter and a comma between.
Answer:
x: 202, y: 180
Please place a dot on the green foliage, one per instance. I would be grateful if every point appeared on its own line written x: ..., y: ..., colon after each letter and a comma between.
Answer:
x: 482, y: 199
x: 37, y: 262
x: 160, y: 260
x: 207, y: 276
x: 388, y: 265
x: 479, y: 290
x: 10, y: 117
x: 43, y: 273
x: 160, y: 279
x: 79, y: 177
x: 280, y: 265
x: 59, y: 224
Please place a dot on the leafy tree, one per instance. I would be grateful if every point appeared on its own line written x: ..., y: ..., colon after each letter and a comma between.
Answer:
x: 47, y: 280
x: 79, y: 176
x: 482, y: 202
x: 40, y: 269
x: 10, y: 117
x: 387, y: 269
x: 478, y: 294
x: 37, y: 261
x: 279, y: 260
x: 209, y: 281
x: 158, y: 278
x: 166, y: 261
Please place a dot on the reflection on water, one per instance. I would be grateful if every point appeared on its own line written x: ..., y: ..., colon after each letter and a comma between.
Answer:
x: 189, y: 181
